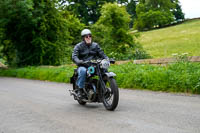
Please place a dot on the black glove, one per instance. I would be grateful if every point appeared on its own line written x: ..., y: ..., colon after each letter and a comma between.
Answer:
x: 112, y: 61
x: 83, y: 63
x: 86, y: 63
x: 79, y: 62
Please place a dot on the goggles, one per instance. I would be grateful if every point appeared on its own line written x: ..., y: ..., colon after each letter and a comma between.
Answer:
x: 88, y: 36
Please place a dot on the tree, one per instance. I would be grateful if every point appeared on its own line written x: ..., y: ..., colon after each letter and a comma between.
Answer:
x: 112, y: 32
x: 177, y: 11
x: 164, y: 5
x: 154, y: 13
x: 88, y: 11
x: 36, y: 32
x: 1, y: 45
x: 131, y: 9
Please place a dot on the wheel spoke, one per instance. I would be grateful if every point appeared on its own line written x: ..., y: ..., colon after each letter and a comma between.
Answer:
x: 110, y: 100
x: 111, y: 95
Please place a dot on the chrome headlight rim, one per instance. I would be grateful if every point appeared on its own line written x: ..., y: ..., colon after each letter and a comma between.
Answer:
x: 105, y: 64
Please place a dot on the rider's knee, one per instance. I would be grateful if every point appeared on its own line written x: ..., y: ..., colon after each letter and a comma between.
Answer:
x: 82, y: 70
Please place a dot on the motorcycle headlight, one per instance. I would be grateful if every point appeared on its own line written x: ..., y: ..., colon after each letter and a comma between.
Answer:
x: 105, y: 64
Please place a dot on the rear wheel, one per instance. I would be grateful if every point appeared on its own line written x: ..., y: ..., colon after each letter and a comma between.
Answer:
x: 81, y: 102
x: 111, y: 96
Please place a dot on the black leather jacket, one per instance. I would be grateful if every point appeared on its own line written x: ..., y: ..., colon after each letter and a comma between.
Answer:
x: 83, y: 52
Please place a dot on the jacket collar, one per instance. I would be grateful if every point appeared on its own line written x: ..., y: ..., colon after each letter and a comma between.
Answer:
x: 83, y: 42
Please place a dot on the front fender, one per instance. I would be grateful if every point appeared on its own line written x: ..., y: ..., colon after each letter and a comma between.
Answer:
x: 110, y: 74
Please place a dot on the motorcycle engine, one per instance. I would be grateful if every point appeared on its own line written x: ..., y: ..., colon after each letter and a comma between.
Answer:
x: 90, y: 94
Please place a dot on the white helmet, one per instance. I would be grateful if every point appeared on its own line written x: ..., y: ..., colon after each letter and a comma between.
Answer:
x: 85, y: 32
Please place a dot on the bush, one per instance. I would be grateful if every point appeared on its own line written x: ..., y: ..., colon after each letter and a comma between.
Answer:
x: 112, y: 32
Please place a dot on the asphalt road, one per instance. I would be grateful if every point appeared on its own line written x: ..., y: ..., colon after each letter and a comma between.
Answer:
x: 30, y: 106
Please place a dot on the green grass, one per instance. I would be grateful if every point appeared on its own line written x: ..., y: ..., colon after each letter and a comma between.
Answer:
x: 178, y: 77
x: 182, y: 38
x: 57, y: 74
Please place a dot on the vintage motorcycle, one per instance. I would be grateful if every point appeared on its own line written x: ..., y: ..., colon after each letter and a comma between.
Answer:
x: 100, y: 85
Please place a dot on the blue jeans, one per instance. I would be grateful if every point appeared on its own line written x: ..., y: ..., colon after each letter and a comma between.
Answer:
x: 81, y: 77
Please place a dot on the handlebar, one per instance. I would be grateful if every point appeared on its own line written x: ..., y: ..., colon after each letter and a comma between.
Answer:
x: 111, y: 60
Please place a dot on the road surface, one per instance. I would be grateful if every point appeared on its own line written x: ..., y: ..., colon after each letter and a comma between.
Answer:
x: 31, y: 106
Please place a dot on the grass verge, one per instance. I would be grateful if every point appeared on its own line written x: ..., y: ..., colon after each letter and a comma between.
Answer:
x: 178, y: 77
x: 57, y: 74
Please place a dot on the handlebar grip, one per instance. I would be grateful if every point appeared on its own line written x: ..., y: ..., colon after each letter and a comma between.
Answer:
x: 112, y: 61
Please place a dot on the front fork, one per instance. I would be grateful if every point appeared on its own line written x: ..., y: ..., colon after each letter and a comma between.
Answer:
x: 102, y: 86
x: 103, y: 78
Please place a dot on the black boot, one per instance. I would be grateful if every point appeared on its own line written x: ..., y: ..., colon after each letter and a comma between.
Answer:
x: 79, y: 93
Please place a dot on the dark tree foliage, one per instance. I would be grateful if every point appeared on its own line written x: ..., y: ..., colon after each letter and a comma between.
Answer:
x: 36, y: 32
x: 131, y: 9
x: 154, y: 13
x: 1, y: 45
x: 88, y: 11
x: 177, y: 11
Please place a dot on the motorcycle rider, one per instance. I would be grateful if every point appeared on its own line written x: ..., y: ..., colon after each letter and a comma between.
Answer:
x: 85, y: 51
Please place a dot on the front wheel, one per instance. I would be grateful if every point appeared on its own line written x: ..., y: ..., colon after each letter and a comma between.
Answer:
x: 111, y: 96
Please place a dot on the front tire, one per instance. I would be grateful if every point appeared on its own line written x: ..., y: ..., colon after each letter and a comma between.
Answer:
x: 111, y: 96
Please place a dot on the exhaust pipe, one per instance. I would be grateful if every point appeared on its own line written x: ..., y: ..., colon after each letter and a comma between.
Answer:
x: 72, y: 93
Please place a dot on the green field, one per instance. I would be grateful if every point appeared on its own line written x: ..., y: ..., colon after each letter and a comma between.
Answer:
x: 182, y: 38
